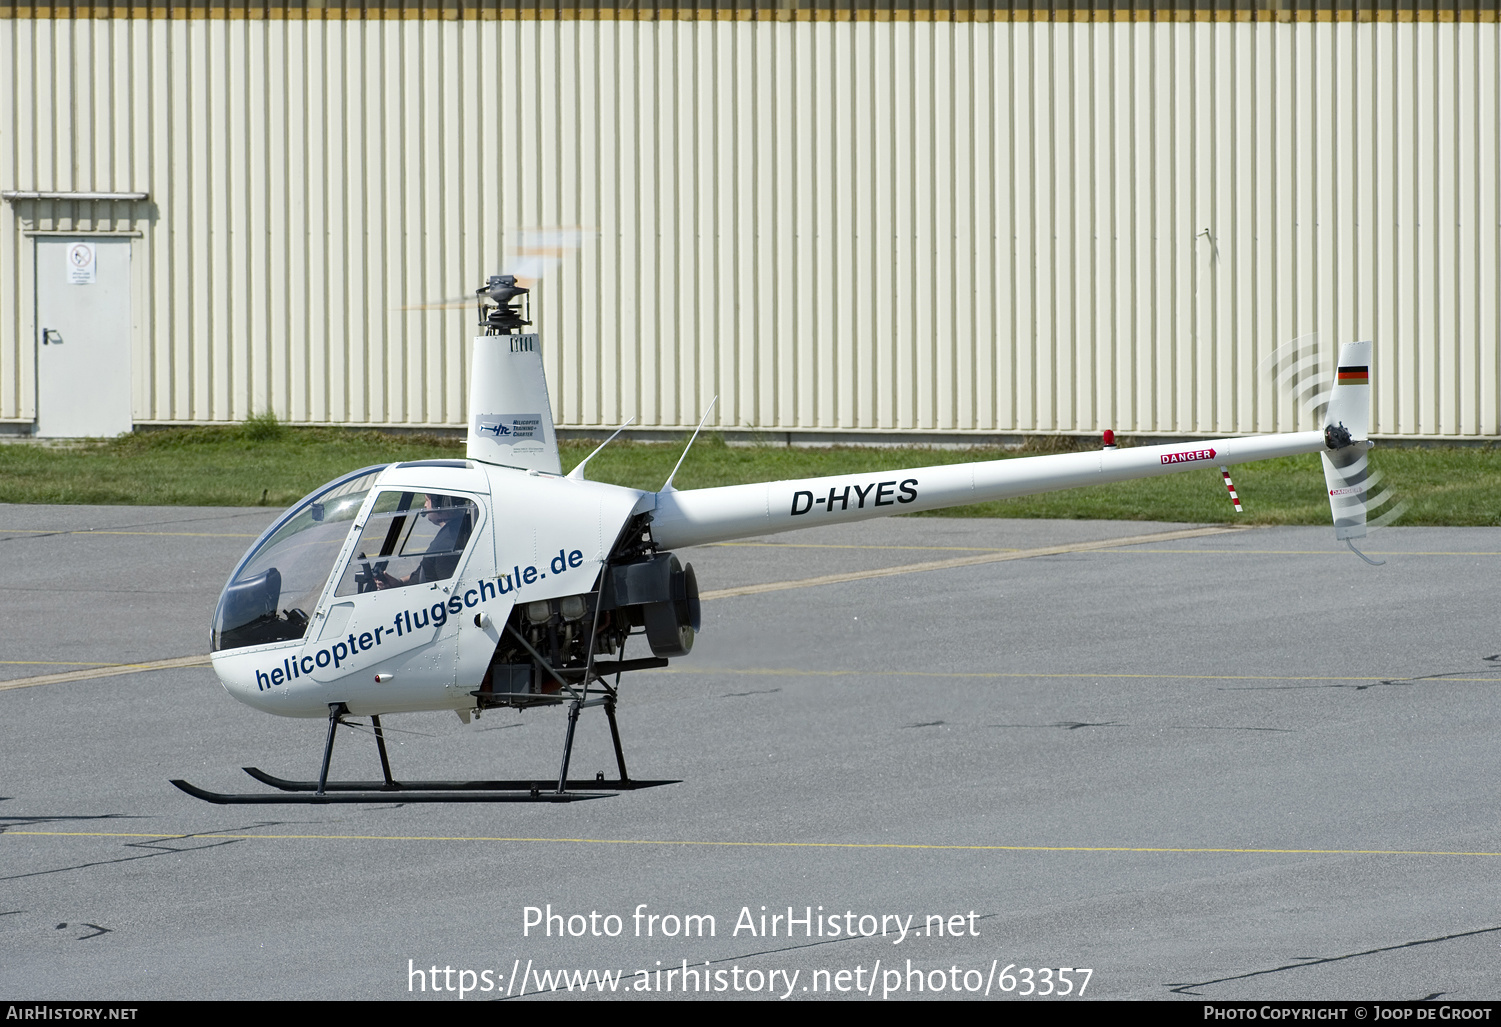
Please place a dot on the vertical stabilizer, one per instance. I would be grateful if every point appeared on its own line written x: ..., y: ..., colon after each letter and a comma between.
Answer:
x: 1347, y: 470
x: 510, y: 415
x: 1350, y: 399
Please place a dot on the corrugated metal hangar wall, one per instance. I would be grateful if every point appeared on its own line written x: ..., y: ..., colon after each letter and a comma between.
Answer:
x: 838, y: 218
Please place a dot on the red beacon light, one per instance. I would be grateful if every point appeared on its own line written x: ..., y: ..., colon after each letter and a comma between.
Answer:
x: 1109, y: 439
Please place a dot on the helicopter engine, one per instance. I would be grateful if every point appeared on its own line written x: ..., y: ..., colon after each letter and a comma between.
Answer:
x: 547, y: 642
x: 659, y: 594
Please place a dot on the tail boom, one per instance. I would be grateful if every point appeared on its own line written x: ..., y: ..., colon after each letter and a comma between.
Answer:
x: 699, y: 516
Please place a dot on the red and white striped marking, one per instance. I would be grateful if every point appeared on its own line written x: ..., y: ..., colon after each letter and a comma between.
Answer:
x: 1225, y: 472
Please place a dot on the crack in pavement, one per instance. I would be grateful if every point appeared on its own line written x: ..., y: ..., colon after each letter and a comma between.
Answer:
x: 157, y: 844
x: 1182, y: 989
x: 1068, y: 725
x: 123, y: 527
x: 9, y: 821
x: 163, y: 850
x: 1361, y: 686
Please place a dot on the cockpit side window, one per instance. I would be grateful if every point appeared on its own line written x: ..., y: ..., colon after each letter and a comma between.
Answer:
x: 409, y: 538
x: 279, y: 582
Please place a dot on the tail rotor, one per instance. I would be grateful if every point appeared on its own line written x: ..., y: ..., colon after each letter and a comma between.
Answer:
x: 1295, y: 370
x: 1358, y: 502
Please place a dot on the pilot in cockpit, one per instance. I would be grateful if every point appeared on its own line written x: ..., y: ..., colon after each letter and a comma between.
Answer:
x: 451, y: 516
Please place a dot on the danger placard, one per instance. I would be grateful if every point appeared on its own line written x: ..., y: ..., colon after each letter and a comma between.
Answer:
x: 1188, y: 457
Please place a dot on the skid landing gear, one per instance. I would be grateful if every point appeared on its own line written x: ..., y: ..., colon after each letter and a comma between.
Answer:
x: 325, y: 791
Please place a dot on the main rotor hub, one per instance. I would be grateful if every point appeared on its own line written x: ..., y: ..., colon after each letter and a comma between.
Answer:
x: 504, y: 307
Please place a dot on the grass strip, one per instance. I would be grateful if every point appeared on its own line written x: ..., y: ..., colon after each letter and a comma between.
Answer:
x: 262, y: 462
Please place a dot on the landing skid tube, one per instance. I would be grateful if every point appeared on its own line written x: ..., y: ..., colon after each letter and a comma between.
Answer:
x: 597, y: 784
x: 390, y: 790
x: 304, y: 799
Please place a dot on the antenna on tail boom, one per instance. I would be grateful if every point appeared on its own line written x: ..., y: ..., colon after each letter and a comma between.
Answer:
x: 667, y: 486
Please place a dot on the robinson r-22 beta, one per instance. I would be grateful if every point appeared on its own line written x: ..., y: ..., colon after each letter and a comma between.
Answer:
x: 499, y: 581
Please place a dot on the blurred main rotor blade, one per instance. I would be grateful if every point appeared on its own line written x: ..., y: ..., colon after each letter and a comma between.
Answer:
x: 534, y: 252
x: 457, y: 303
x: 539, y: 250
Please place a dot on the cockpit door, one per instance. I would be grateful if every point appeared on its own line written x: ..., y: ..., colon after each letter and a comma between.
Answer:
x: 388, y: 605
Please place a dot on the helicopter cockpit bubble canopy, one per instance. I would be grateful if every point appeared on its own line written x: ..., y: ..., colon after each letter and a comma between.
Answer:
x: 277, y: 584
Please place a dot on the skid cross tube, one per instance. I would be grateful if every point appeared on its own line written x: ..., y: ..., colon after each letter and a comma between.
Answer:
x: 380, y: 743
x: 615, y: 737
x: 336, y: 711
x: 573, y: 720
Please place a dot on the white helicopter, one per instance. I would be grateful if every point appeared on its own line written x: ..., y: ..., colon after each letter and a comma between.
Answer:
x: 498, y: 581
